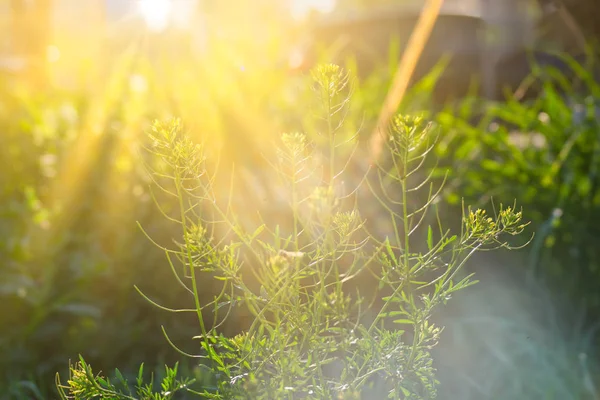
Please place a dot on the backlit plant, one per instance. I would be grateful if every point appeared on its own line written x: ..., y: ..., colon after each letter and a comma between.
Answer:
x: 315, y: 331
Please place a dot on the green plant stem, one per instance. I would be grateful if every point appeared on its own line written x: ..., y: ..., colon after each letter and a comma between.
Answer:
x: 182, y: 210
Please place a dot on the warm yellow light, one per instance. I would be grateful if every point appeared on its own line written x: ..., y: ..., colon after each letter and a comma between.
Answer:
x: 52, y: 54
x: 301, y: 8
x: 156, y: 13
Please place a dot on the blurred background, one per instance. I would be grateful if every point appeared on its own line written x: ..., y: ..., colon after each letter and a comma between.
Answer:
x: 513, y: 85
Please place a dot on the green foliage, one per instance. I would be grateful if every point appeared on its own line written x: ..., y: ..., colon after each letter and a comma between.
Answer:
x: 531, y: 333
x: 547, y: 154
x: 83, y: 384
x: 313, y: 331
x: 68, y: 194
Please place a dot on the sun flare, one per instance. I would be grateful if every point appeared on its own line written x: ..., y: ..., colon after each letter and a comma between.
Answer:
x: 156, y: 13
x: 301, y: 8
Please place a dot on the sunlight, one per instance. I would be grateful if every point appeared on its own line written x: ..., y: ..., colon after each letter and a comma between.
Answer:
x: 156, y: 13
x: 301, y: 8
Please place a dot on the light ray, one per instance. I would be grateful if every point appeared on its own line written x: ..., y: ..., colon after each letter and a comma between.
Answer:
x: 156, y: 13
x: 301, y: 8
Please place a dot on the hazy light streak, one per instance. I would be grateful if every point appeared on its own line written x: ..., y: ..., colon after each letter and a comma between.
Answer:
x: 301, y: 8
x: 156, y: 13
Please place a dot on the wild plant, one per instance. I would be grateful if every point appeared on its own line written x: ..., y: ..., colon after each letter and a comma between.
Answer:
x: 315, y: 330
x: 552, y: 141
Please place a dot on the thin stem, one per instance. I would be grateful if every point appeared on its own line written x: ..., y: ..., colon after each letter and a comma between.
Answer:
x: 188, y: 250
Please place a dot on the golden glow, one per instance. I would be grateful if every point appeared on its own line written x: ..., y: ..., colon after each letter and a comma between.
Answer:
x: 215, y: 99
x: 156, y: 13
x: 52, y: 54
x: 301, y: 8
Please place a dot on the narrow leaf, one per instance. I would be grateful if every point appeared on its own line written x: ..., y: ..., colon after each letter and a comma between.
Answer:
x: 429, y: 238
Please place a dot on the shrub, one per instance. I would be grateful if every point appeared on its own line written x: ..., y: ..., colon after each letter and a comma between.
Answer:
x: 69, y: 200
x: 313, y: 331
x: 547, y: 153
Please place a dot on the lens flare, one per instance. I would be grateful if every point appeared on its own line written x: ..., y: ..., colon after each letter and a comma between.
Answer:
x: 301, y: 8
x: 156, y: 13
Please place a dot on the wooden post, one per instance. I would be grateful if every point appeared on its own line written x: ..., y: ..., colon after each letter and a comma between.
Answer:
x: 410, y: 57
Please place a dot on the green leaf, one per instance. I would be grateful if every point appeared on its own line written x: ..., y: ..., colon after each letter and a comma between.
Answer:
x: 429, y: 238
x: 491, y: 165
x: 263, y: 293
x: 120, y: 377
x: 140, y: 377
x: 257, y: 232
x: 404, y: 321
x: 390, y: 251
